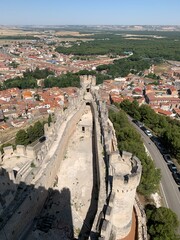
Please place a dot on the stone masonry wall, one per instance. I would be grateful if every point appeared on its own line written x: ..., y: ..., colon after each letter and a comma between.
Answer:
x: 34, y: 202
x: 117, y: 180
x: 123, y: 174
x: 100, y: 167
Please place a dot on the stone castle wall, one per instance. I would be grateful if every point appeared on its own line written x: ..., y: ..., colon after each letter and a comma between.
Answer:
x: 34, y: 202
x: 123, y: 177
x: 118, y: 175
x: 101, y: 170
x: 21, y: 152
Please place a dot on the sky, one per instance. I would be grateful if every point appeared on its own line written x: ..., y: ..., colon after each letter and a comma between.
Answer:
x: 89, y: 12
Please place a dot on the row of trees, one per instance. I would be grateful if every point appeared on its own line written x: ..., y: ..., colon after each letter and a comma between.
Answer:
x: 73, y: 79
x: 123, y: 67
x: 25, y: 137
x: 65, y: 80
x: 17, y: 37
x: 164, y: 127
x: 38, y: 74
x: 129, y: 140
x: 29, y: 79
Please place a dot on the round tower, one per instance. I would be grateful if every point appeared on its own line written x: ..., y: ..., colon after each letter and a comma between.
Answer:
x: 126, y: 178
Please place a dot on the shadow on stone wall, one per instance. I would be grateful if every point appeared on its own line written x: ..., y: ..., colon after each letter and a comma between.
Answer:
x: 31, y: 213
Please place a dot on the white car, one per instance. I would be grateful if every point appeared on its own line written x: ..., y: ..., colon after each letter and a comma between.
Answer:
x: 147, y: 132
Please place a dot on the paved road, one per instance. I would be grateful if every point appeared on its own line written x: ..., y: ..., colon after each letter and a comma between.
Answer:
x: 169, y: 189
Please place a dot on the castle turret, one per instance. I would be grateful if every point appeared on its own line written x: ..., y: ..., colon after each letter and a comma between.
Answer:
x: 87, y: 81
x: 126, y: 172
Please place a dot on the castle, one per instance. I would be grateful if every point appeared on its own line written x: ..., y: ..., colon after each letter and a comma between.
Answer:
x: 117, y: 176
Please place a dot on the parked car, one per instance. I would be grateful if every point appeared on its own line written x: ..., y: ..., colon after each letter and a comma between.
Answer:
x: 148, y: 133
x: 172, y: 167
x: 155, y: 139
x: 176, y: 177
x: 167, y: 158
x: 161, y: 148
x: 143, y: 128
x: 138, y: 123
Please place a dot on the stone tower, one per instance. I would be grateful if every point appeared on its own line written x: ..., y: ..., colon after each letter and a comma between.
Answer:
x: 87, y: 81
x: 126, y: 171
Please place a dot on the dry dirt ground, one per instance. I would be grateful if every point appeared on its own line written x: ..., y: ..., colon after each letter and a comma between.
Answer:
x: 73, y: 34
x: 14, y: 32
x: 159, y: 69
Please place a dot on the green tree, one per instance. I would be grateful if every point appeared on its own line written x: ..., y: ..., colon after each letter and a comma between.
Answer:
x: 21, y: 138
x: 38, y: 129
x: 31, y: 134
x: 162, y: 223
x: 14, y: 64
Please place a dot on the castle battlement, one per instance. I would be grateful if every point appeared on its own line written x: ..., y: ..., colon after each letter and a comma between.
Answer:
x: 117, y: 175
x: 124, y: 173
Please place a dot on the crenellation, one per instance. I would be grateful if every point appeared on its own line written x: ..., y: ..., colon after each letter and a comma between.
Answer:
x: 30, y: 152
x: 20, y: 150
x: 8, y: 152
x: 126, y: 156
